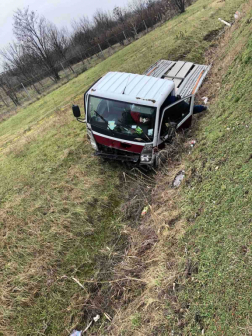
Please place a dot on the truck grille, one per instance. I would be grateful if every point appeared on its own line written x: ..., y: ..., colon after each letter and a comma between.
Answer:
x: 116, y: 154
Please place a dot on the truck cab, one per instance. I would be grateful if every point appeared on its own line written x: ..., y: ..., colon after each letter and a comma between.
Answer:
x: 129, y: 117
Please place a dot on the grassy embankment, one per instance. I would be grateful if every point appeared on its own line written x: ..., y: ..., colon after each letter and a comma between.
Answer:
x: 59, y: 214
x: 218, y: 194
x: 199, y: 282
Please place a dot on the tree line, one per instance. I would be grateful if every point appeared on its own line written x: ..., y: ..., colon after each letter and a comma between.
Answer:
x: 40, y: 48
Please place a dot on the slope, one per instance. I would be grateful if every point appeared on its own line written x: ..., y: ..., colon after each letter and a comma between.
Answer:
x: 59, y: 210
x: 198, y: 268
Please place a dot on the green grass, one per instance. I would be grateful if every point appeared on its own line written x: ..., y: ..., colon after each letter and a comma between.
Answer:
x: 59, y: 217
x: 59, y: 207
x: 218, y: 193
x: 204, y: 269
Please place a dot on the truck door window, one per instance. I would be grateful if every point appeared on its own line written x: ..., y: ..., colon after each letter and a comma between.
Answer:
x: 175, y: 114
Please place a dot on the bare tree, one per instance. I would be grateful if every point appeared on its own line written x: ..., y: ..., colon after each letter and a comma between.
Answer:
x: 82, y: 38
x: 180, y: 4
x: 119, y: 15
x: 3, y: 99
x: 32, y: 32
x: 138, y: 7
x: 9, y: 87
x: 59, y: 42
x: 16, y: 58
x: 41, y: 46
x: 103, y: 21
x: 85, y: 28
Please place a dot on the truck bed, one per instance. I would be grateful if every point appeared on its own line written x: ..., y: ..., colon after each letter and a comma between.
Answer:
x: 187, y: 76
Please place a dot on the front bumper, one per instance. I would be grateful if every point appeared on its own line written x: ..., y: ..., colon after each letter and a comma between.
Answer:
x: 119, y: 157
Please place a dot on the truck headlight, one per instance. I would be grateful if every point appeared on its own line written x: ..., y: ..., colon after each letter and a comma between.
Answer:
x: 92, y: 139
x: 146, y: 154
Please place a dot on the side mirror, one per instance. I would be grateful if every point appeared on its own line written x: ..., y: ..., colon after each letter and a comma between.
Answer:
x: 76, y: 111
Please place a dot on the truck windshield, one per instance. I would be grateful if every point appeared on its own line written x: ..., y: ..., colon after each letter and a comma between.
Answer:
x: 123, y: 120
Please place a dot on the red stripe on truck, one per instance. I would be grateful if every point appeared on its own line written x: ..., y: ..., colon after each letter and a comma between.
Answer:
x: 122, y: 145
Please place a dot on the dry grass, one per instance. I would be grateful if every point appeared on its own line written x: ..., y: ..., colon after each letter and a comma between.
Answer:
x: 153, y: 306
x: 147, y: 260
x: 221, y: 55
x: 17, y: 144
x: 40, y: 223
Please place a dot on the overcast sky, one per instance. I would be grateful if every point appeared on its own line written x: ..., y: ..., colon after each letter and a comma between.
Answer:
x: 61, y: 12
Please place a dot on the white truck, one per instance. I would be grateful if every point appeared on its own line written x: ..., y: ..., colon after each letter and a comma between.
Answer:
x: 129, y: 117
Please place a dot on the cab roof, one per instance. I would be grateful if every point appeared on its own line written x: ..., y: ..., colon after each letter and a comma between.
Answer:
x: 138, y: 89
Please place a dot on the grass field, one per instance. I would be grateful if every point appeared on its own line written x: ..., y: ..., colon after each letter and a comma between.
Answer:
x: 199, y: 282
x: 218, y: 200
x: 60, y: 206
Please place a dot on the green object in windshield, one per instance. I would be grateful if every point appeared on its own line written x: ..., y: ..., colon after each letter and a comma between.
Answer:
x: 139, y: 130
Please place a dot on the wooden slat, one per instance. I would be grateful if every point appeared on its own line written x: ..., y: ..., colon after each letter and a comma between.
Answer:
x: 148, y: 74
x: 175, y: 69
x: 184, y: 70
x: 197, y: 83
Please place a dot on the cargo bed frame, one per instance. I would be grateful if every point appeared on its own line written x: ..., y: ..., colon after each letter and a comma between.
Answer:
x: 187, y: 76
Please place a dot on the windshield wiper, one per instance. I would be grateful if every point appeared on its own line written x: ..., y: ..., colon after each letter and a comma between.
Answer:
x: 104, y: 121
x: 146, y: 136
x: 101, y: 117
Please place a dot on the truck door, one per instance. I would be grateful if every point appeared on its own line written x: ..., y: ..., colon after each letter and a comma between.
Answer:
x: 176, y: 116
